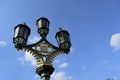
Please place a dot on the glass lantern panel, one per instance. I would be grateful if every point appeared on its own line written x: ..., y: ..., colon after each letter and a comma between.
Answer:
x: 66, y: 37
x: 26, y: 33
x: 16, y: 32
x: 47, y: 24
x: 67, y: 45
x: 61, y: 38
x: 39, y: 24
x: 21, y: 31
x: 69, y: 39
x: 58, y: 40
x: 44, y: 23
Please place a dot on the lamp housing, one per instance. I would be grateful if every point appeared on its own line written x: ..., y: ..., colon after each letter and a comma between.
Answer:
x: 63, y: 39
x: 43, y: 26
x: 21, y: 33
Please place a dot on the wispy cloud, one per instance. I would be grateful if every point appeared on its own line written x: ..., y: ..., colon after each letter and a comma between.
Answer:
x: 56, y: 61
x: 36, y: 77
x: 64, y: 65
x: 115, y: 41
x: 28, y: 58
x: 34, y: 39
x: 60, y: 76
x: 3, y: 43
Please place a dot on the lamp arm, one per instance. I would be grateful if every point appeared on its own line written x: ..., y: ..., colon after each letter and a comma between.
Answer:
x: 39, y: 48
x: 29, y: 48
x: 55, y: 54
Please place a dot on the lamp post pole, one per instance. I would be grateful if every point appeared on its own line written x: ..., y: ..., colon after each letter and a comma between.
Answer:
x: 43, y: 51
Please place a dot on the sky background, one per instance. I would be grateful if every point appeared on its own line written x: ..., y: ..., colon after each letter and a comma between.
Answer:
x: 94, y: 27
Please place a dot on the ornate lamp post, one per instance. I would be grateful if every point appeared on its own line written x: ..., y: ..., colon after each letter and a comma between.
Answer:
x: 43, y: 51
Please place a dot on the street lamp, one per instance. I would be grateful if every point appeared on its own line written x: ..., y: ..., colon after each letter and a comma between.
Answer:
x: 43, y: 51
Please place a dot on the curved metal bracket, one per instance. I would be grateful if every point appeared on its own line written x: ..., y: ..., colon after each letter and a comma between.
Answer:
x: 43, y: 51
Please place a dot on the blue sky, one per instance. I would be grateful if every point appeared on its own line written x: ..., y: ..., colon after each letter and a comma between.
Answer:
x: 94, y: 27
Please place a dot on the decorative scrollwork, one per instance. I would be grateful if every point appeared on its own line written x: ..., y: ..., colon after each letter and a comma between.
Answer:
x: 43, y: 51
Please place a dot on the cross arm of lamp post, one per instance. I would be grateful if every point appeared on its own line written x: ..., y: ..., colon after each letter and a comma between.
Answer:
x: 43, y: 51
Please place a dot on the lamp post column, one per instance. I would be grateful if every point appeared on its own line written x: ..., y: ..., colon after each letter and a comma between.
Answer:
x: 45, y: 71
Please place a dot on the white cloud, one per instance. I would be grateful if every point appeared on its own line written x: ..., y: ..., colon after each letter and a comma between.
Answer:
x: 3, y: 43
x: 37, y: 77
x: 56, y: 61
x: 64, y: 65
x: 34, y: 39
x: 21, y: 60
x: 60, y: 76
x: 28, y: 58
x: 115, y: 41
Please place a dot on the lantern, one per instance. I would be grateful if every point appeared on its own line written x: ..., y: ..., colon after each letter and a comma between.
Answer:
x: 63, y: 39
x: 43, y: 26
x: 21, y: 33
